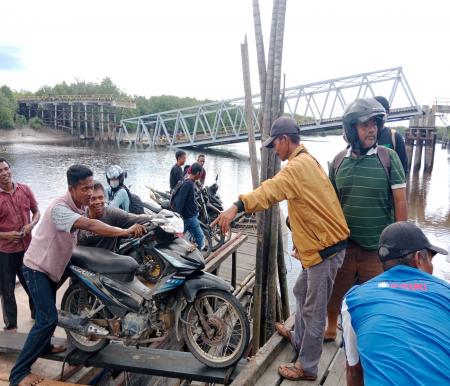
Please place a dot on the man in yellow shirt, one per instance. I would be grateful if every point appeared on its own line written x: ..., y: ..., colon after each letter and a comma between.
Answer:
x: 319, y: 233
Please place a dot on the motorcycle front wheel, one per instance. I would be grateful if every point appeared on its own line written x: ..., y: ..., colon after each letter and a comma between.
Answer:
x: 216, y: 328
x: 78, y: 300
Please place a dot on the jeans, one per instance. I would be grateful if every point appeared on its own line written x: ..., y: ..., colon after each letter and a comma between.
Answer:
x: 312, y: 291
x: 10, y: 264
x: 192, y: 225
x: 43, y: 293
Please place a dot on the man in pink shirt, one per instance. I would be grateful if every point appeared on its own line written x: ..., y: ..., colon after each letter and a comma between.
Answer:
x: 46, y: 259
x: 16, y: 203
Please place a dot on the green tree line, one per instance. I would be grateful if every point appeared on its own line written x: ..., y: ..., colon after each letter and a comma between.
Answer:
x: 154, y: 104
x: 9, y: 117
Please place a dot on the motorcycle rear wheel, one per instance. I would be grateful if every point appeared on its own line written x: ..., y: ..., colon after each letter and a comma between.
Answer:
x: 77, y: 300
x: 228, y: 325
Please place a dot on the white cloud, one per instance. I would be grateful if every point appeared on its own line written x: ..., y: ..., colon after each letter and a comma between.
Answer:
x: 192, y: 48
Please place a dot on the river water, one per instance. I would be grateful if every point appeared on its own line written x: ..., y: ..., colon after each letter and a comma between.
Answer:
x: 43, y: 167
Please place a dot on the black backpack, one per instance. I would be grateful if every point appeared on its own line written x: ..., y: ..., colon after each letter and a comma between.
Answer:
x: 136, y: 205
x: 173, y: 196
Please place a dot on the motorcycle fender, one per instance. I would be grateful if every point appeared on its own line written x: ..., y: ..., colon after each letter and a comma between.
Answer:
x: 202, y: 281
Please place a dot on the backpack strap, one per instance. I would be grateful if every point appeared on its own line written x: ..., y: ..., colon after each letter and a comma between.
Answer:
x: 394, y: 142
x: 385, y: 159
x: 337, y: 161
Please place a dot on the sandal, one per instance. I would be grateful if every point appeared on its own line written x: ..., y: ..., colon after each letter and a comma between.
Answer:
x: 283, y: 331
x: 55, y: 348
x: 293, y: 373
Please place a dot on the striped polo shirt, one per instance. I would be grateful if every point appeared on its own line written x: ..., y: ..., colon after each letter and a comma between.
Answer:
x: 364, y: 191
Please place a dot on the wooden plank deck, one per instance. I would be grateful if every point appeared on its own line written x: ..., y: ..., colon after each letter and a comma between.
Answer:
x: 262, y: 369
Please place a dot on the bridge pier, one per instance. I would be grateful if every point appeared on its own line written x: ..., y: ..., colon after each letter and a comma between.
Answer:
x: 422, y: 136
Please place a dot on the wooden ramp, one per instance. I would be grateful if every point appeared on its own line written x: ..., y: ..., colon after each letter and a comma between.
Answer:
x: 262, y: 369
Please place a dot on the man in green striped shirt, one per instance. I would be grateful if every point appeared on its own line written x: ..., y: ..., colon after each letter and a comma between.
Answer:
x: 370, y: 183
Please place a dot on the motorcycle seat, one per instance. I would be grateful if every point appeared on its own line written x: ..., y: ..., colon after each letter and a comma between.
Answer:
x: 105, y: 262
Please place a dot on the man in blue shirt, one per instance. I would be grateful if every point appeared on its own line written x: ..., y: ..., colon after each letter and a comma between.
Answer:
x: 396, y: 326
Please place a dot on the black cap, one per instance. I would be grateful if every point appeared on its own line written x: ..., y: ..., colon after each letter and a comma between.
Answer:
x: 402, y: 238
x: 282, y: 125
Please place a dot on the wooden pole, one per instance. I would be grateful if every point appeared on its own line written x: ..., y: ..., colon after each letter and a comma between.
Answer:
x: 249, y: 114
x: 260, y: 49
x: 282, y: 272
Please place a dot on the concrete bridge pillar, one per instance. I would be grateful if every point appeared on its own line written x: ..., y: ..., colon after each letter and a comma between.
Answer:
x: 101, y: 122
x: 71, y: 119
x: 93, y: 121
x: 56, y: 115
x: 85, y: 120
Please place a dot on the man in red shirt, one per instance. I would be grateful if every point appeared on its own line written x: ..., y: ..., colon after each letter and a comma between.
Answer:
x: 16, y: 203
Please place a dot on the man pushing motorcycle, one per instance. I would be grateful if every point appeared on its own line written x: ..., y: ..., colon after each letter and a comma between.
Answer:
x: 46, y: 259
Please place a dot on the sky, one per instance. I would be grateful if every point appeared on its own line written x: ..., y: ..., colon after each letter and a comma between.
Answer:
x: 192, y: 47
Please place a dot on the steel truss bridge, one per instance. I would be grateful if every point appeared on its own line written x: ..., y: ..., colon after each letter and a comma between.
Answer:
x: 316, y: 107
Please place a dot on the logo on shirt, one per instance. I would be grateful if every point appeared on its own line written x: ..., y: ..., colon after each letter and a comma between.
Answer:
x: 407, y: 286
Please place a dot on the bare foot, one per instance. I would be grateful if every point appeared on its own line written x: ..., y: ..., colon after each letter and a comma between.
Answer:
x: 31, y: 380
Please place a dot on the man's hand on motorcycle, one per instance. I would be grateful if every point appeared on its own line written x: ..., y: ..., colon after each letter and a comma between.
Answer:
x: 225, y: 218
x: 137, y: 230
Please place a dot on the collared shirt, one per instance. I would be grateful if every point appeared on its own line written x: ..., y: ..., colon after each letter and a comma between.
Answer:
x: 397, y: 325
x: 315, y: 214
x: 15, y: 209
x: 54, y: 239
x: 364, y: 191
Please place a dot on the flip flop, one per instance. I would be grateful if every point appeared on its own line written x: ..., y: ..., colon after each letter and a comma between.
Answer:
x: 283, y: 331
x: 293, y: 373
x: 55, y: 348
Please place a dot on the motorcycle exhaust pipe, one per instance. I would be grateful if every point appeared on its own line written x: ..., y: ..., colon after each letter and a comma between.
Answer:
x: 80, y: 324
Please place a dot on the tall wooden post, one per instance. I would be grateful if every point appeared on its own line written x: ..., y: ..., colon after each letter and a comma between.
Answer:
x: 249, y: 114
x: 265, y: 291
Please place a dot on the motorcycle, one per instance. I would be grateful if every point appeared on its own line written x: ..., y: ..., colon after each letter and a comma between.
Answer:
x: 106, y: 301
x: 211, y: 239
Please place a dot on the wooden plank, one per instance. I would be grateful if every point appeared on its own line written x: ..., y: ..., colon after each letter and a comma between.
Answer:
x: 271, y: 375
x: 337, y: 374
x: 46, y: 382
x: 328, y: 354
x: 115, y: 356
x: 265, y: 356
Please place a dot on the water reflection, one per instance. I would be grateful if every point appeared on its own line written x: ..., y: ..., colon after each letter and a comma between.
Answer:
x: 43, y: 167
